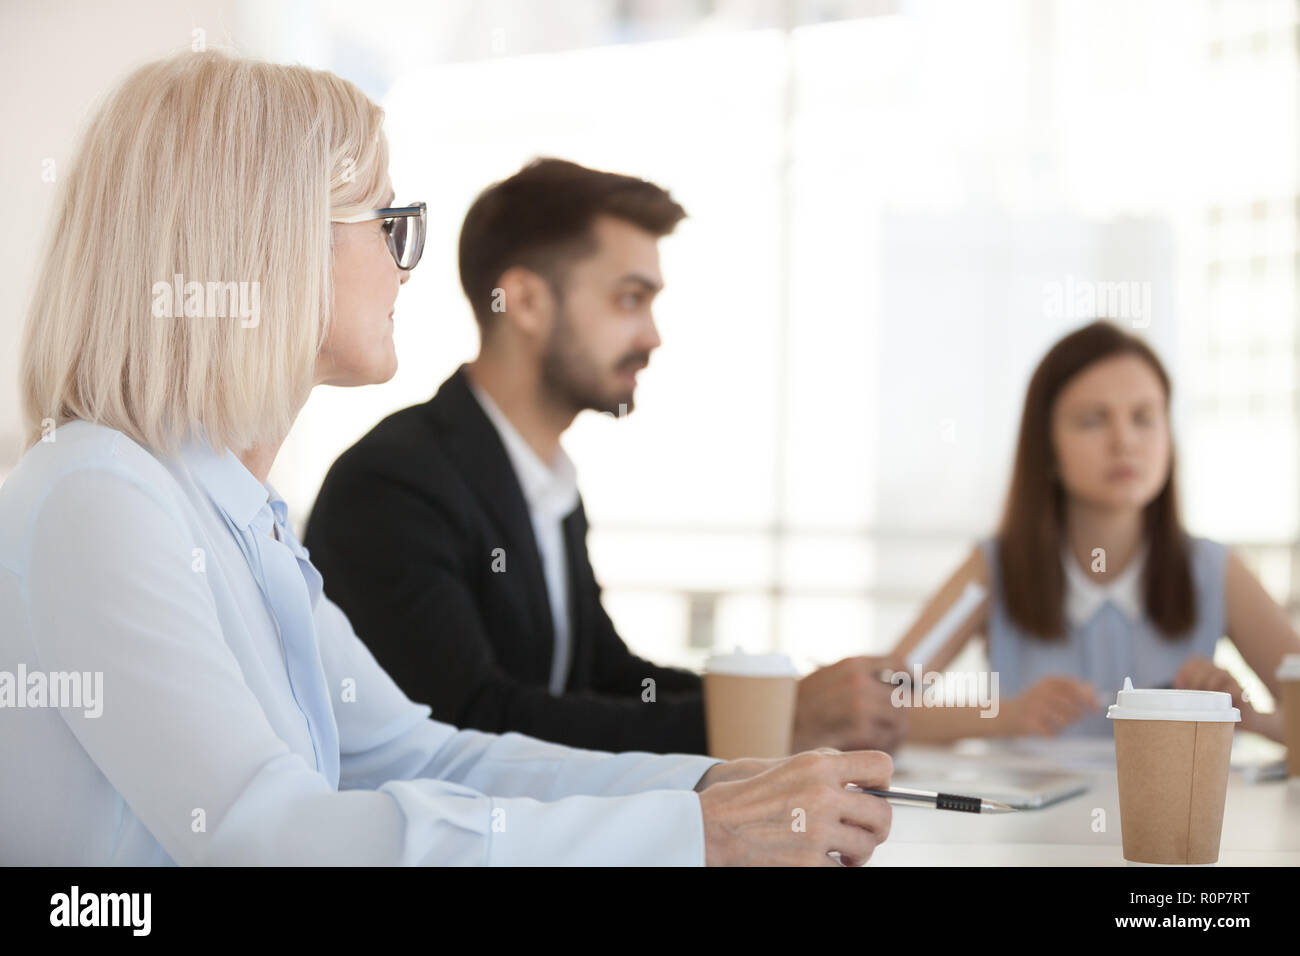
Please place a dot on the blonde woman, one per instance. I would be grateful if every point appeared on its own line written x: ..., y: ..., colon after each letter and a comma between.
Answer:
x: 177, y: 687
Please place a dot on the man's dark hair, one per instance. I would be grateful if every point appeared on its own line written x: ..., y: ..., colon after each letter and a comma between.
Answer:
x: 541, y: 217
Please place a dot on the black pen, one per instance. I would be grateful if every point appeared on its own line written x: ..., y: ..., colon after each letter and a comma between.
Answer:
x: 902, y: 797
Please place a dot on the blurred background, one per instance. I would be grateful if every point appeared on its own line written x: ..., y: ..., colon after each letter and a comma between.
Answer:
x: 895, y: 208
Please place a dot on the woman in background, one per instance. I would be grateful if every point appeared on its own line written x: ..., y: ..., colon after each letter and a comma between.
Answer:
x: 1091, y: 577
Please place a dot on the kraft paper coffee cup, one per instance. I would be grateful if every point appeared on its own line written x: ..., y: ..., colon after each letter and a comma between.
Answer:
x: 749, y: 705
x: 1172, y: 750
x: 1289, y: 677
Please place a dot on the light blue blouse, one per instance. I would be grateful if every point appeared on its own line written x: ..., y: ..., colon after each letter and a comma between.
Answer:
x: 1111, y: 644
x: 241, y: 720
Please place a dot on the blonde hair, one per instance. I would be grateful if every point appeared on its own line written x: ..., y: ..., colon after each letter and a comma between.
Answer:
x: 219, y: 169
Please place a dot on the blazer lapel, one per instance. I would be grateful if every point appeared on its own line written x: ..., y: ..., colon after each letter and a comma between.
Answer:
x: 475, y: 449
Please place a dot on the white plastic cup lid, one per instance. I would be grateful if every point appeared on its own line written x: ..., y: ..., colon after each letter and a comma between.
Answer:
x: 750, y: 665
x: 1147, y: 704
x: 1289, y: 669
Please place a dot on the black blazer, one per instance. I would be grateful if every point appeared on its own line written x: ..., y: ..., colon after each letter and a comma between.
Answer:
x: 404, y: 533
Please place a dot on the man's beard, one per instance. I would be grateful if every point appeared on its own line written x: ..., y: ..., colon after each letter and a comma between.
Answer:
x: 573, y: 379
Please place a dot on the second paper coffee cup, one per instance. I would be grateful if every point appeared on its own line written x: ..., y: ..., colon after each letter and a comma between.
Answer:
x: 1288, y: 676
x: 1172, y: 749
x: 749, y: 705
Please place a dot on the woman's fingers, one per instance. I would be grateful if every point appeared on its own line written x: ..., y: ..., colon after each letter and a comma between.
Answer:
x: 1194, y: 673
x: 855, y: 844
x: 1199, y: 673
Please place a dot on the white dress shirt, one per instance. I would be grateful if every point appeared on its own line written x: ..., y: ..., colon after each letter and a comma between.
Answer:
x: 241, y: 720
x: 1085, y: 594
x: 551, y: 493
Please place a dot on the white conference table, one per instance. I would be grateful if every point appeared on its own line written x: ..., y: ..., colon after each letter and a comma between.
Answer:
x: 1261, y: 823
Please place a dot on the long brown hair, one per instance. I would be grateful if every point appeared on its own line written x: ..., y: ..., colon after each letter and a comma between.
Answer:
x: 1032, y: 532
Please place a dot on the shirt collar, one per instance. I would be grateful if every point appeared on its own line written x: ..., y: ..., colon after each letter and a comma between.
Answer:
x: 1084, y: 595
x: 552, y: 491
x: 280, y: 508
x: 230, y: 485
x: 247, y: 503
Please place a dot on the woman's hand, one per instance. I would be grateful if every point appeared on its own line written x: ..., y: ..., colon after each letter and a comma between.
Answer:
x: 798, y: 811
x: 741, y: 769
x: 1199, y: 673
x: 1049, y: 706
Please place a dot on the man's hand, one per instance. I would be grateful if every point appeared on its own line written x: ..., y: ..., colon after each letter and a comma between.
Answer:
x: 846, y: 706
x: 798, y: 811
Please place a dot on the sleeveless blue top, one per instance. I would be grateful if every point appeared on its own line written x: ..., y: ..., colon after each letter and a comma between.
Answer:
x: 1109, y: 645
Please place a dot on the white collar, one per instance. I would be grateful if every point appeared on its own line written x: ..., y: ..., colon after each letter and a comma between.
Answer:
x: 1084, y: 595
x: 550, y: 491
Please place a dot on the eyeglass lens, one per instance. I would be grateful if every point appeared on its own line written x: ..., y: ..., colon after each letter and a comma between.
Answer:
x: 399, y: 241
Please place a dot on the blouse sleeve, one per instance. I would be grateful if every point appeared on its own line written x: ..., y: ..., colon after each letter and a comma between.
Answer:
x: 111, y: 589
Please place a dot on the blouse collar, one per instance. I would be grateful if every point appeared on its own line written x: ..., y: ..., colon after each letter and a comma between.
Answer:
x: 1084, y: 595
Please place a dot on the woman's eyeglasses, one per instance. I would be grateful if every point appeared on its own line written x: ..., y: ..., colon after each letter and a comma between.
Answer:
x: 404, y: 228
